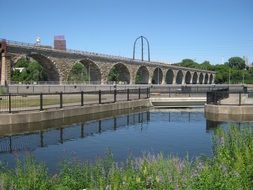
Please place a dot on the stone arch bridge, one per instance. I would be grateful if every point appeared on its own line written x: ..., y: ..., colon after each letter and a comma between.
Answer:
x: 58, y: 64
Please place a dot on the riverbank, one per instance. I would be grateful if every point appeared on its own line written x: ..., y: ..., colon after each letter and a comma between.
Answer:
x: 229, y: 168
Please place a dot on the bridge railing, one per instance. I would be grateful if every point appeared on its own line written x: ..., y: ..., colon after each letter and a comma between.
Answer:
x: 87, y: 53
x: 13, y: 103
x: 50, y: 48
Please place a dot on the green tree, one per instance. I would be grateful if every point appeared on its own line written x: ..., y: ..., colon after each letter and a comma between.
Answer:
x: 236, y: 63
x: 32, y: 71
x: 232, y: 71
x: 206, y: 65
x: 222, y: 74
x: 113, y: 75
x: 78, y: 73
x: 188, y: 63
x: 137, y: 79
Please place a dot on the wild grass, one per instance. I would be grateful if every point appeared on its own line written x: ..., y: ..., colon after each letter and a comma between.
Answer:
x: 230, y: 168
x: 2, y: 90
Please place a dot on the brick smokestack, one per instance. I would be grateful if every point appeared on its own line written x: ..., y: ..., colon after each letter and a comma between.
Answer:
x: 59, y: 42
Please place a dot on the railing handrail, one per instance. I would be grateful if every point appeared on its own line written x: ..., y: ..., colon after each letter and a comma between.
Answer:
x: 8, y: 102
x: 45, y: 47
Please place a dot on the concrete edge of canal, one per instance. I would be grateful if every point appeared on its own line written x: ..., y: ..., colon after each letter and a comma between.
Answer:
x: 39, y: 116
x: 178, y: 102
x: 229, y: 112
x: 67, y: 112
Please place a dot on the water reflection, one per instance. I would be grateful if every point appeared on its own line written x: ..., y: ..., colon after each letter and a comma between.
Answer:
x: 169, y: 131
x: 44, y: 138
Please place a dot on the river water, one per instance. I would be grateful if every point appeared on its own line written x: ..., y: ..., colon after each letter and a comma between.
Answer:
x: 179, y: 132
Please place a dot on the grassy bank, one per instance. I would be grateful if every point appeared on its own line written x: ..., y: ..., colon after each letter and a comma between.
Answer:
x: 230, y: 168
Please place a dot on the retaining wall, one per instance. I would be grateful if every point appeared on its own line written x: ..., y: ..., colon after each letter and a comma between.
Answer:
x: 229, y: 112
x: 30, y: 117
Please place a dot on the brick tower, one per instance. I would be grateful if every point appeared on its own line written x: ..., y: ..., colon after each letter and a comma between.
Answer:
x: 59, y: 42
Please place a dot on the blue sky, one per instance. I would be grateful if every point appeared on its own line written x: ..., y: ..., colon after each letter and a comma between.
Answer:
x: 176, y: 29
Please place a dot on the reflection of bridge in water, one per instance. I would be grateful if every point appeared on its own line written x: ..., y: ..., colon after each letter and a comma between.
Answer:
x: 43, y: 138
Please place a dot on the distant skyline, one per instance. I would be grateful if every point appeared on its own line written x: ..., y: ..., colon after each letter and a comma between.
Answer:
x: 212, y: 30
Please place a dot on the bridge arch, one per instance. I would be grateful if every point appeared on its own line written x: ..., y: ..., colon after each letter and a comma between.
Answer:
x: 142, y: 75
x: 93, y: 71
x: 180, y: 76
x: 119, y: 73
x: 157, y: 76
x: 169, y: 76
x: 188, y: 77
x: 211, y: 79
x: 201, y: 77
x: 49, y: 66
x: 206, y: 79
x: 195, y: 78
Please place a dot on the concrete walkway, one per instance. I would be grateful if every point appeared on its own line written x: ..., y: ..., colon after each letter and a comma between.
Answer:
x: 166, y: 101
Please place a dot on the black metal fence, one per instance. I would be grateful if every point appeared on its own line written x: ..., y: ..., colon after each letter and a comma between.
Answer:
x: 12, y: 103
x: 186, y: 90
x: 227, y: 96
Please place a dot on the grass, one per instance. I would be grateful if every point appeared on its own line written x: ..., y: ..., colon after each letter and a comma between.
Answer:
x: 2, y: 90
x: 34, y: 101
x: 230, y: 168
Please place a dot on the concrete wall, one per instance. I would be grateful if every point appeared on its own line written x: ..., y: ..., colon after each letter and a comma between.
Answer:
x: 29, y: 117
x: 229, y: 112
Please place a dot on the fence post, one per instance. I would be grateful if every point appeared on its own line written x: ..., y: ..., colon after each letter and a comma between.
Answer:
x: 41, y: 102
x: 9, y: 103
x: 128, y: 94
x: 60, y: 99
x: 139, y: 93
x: 240, y: 98
x: 115, y: 95
x: 99, y: 97
x: 81, y: 98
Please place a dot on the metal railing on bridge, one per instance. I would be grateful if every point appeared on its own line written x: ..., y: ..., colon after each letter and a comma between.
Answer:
x: 50, y: 48
x: 13, y: 103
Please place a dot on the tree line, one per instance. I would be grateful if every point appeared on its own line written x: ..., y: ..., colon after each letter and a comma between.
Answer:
x: 234, y: 71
